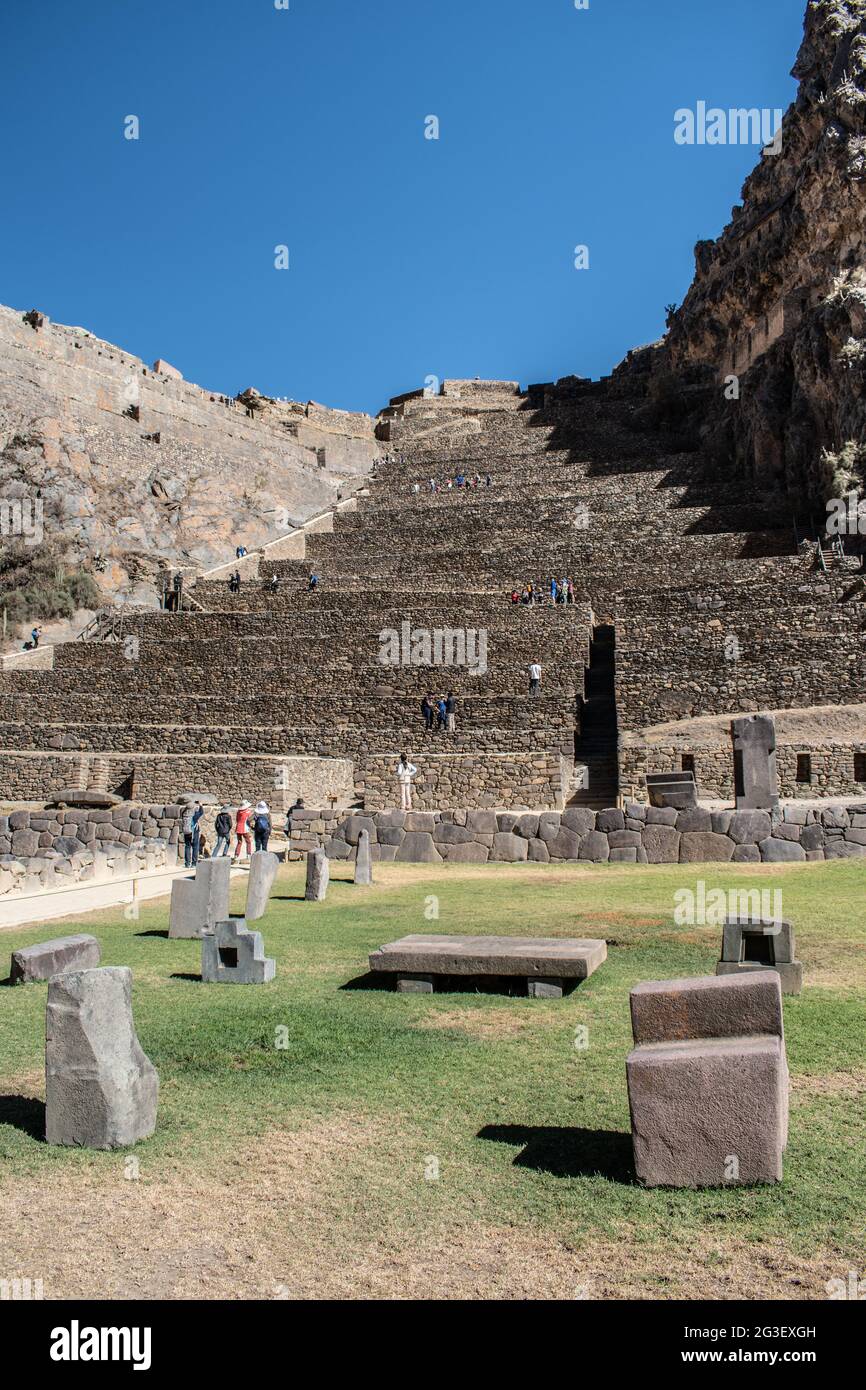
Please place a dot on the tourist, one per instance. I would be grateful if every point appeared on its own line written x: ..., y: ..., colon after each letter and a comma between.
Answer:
x: 405, y: 773
x: 262, y: 825
x: 571, y: 591
x: 35, y: 634
x: 515, y: 597
x: 192, y: 814
x: 223, y: 829
x: 554, y: 589
x: 242, y: 830
x: 275, y: 583
x: 488, y: 481
x: 314, y: 582
x: 451, y: 711
x: 237, y: 581
x: 442, y: 715
x: 298, y: 806
x: 460, y: 480
x: 428, y: 712
x: 534, y: 678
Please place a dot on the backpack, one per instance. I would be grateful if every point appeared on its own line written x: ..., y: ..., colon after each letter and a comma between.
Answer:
x: 223, y: 823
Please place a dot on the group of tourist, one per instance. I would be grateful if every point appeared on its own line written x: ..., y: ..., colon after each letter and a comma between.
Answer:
x: 460, y: 480
x: 249, y: 826
x: 439, y: 714
x: 557, y: 591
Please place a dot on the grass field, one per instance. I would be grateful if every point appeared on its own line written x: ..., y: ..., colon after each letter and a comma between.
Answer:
x: 452, y: 1146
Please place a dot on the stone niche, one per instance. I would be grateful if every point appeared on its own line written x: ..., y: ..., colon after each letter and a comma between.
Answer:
x: 754, y: 943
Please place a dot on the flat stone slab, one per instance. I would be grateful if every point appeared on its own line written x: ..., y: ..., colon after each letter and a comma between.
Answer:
x: 55, y: 957
x: 73, y: 796
x: 536, y: 958
x: 707, y: 1006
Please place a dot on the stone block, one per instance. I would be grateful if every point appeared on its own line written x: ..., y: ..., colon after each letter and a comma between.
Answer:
x: 198, y: 903
x: 548, y: 825
x: 841, y: 849
x: 754, y: 740
x: 706, y: 1006
x: 595, y: 847
x: 623, y: 856
x: 694, y: 821
x: 233, y: 955
x: 750, y: 827
x: 24, y: 842
x: 539, y: 852
x: 355, y: 824
x: 263, y: 871
x: 566, y: 845
x: 662, y: 815
x: 812, y: 837
x: 482, y: 821
x: 527, y: 826
x: 490, y: 956
x: 101, y: 1091
x: 418, y: 848
x: 624, y: 839
x: 318, y: 876
x: 446, y: 834
x: 721, y: 822
x: 56, y: 957
x: 509, y: 849
x: 364, y: 861
x: 781, y: 852
x: 468, y: 853
x: 703, y: 847
x: 579, y: 819
x: 609, y: 820
x: 421, y: 821
x: 746, y: 854
x: 661, y: 844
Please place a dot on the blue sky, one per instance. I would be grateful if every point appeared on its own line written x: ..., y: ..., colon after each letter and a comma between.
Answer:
x: 305, y: 127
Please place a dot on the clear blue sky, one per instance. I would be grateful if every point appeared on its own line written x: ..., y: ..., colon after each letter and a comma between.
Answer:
x: 409, y: 257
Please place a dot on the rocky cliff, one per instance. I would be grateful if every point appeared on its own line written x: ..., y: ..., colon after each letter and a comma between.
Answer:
x: 771, y: 338
x: 146, y: 470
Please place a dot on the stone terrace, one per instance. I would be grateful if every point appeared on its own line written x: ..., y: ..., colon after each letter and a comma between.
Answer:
x: 669, y: 559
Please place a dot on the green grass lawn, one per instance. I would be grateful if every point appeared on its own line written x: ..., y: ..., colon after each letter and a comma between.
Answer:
x: 463, y: 1131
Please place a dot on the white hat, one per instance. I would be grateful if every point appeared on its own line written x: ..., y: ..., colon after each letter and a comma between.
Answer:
x: 262, y: 808
x: 245, y: 806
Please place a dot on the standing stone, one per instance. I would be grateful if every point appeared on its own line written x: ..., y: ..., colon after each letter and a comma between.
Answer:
x: 708, y: 1081
x: 101, y: 1091
x: 364, y: 860
x: 756, y: 778
x: 49, y: 958
x: 755, y: 943
x: 263, y: 871
x: 318, y: 876
x: 197, y: 904
x: 231, y: 955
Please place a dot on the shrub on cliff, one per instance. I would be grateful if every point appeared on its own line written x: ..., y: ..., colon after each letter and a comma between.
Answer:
x: 34, y: 583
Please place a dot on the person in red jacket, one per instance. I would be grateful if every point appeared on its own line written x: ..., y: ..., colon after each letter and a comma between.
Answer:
x: 242, y: 830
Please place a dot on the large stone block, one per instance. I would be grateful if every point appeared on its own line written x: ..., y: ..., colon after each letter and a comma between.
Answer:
x: 703, y: 847
x: 469, y: 853
x: 509, y: 849
x: 364, y: 860
x: 232, y: 955
x: 318, y: 876
x: 694, y: 821
x: 355, y: 824
x: 101, y: 1091
x: 750, y: 827
x: 418, y: 848
x: 198, y: 903
x: 707, y: 1006
x: 757, y: 782
x: 708, y: 1081
x: 48, y: 958
x: 449, y: 834
x: 661, y: 844
x: 595, y: 847
x: 422, y: 821
x: 781, y: 852
x: 610, y: 820
x: 578, y: 819
x: 263, y: 871
x: 482, y: 822
x: 566, y: 845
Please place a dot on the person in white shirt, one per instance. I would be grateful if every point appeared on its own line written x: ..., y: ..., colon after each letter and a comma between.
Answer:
x: 534, y: 678
x: 406, y: 771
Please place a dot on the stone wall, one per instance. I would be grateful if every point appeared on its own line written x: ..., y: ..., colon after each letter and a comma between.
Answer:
x: 53, y: 848
x: 636, y: 835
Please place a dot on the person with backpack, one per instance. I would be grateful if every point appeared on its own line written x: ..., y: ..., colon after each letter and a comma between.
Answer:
x: 262, y: 825
x: 406, y: 771
x: 223, y: 828
x: 442, y: 716
x: 242, y: 830
x: 192, y: 814
x: 428, y: 712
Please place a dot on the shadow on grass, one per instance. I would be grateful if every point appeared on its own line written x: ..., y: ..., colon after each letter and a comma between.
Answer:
x: 25, y: 1114
x: 180, y: 976
x: 568, y: 1153
x: 372, y: 980
x: 153, y: 933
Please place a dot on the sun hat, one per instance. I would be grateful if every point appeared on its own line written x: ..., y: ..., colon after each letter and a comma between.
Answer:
x: 262, y: 808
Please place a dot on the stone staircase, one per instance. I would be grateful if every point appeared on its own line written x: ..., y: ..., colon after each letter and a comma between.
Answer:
x: 595, y: 783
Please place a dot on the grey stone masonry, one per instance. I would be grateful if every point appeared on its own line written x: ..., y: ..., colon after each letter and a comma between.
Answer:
x: 637, y: 834
x: 101, y: 1091
x: 198, y: 903
x: 48, y: 958
x: 708, y: 1081
x: 545, y: 963
x: 232, y: 955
